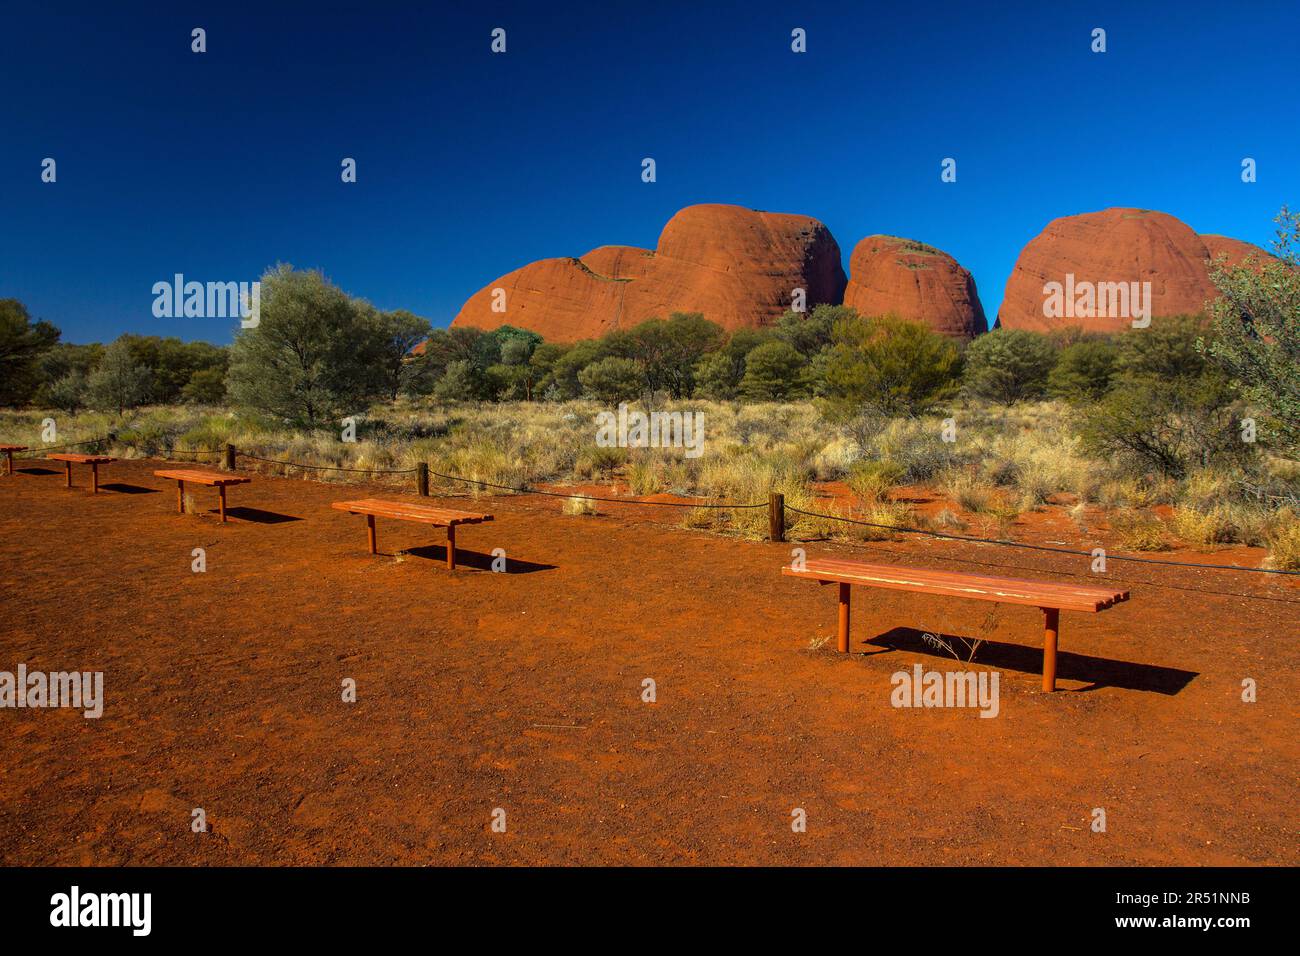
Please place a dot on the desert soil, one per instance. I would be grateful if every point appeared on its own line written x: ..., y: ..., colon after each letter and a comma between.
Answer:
x: 523, y: 691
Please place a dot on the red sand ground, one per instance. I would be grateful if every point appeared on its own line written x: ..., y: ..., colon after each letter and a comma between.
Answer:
x: 523, y: 691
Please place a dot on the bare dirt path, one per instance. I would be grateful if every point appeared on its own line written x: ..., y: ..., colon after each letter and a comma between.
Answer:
x: 522, y: 691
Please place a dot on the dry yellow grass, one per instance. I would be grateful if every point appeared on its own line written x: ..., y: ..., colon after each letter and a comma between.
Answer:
x: 872, y: 480
x: 1283, y: 541
x: 1201, y: 528
x: 577, y: 505
x: 1138, y: 531
x: 1004, y: 461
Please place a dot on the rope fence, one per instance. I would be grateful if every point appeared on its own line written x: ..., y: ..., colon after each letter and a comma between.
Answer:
x: 620, y: 501
x: 775, y: 504
x: 366, y: 471
x: 73, y: 444
x: 1035, y: 547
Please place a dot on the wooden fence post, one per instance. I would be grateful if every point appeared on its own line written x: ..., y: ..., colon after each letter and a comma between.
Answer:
x: 229, y: 460
x: 422, y: 478
x: 776, y: 516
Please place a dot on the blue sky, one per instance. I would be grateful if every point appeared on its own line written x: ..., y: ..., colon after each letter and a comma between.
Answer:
x: 470, y: 165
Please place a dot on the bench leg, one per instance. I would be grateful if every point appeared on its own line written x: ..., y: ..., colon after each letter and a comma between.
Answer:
x: 370, y: 534
x: 94, y: 478
x: 221, y: 501
x: 180, y: 497
x: 451, y: 547
x: 67, y: 474
x: 843, y: 635
x: 1052, y: 623
x: 9, y: 458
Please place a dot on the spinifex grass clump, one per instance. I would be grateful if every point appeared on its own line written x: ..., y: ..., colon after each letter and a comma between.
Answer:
x: 1138, y: 531
x: 872, y: 481
x: 1284, y: 542
x: 1003, y: 462
x: 578, y: 505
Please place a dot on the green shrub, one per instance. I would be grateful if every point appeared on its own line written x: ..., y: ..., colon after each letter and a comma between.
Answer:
x: 612, y: 380
x: 773, y: 372
x: 888, y: 364
x: 1009, y: 365
x: 872, y: 480
x: 1083, y: 370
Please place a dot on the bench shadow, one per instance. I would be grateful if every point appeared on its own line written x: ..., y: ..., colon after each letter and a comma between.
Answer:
x: 37, y: 470
x: 125, y: 489
x: 475, y: 559
x: 1096, y: 672
x: 244, y: 513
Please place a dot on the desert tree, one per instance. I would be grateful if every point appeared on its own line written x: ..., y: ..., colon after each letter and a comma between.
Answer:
x: 1256, y: 322
x: 310, y: 359
x: 22, y: 344
x: 888, y: 364
x: 668, y: 351
x: 561, y: 381
x: 119, y: 381
x: 1168, y: 410
x: 809, y: 333
x: 612, y: 380
x: 1009, y: 365
x: 67, y: 393
x: 398, y: 333
x: 773, y: 372
x: 1083, y: 370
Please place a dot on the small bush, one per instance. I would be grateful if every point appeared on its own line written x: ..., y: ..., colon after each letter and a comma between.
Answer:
x: 965, y: 489
x: 598, y: 462
x: 1201, y: 527
x: 1284, y: 542
x: 705, y: 519
x: 643, y: 478
x: 613, y: 380
x: 578, y: 505
x: 1009, y: 365
x: 947, y: 520
x: 888, y: 514
x: 1083, y: 371
x: 872, y: 480
x: 1138, y: 531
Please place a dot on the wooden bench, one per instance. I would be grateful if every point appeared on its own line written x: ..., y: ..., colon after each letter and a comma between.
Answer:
x: 211, y: 479
x: 94, y: 461
x: 1052, y: 598
x: 374, y: 508
x: 9, y: 455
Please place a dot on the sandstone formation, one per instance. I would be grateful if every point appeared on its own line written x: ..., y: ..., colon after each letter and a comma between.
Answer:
x: 1234, y: 251
x: 916, y: 282
x: 737, y: 266
x: 1094, y: 257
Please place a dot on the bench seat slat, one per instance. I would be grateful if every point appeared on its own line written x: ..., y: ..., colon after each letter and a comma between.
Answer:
x: 78, y: 459
x: 212, y: 479
x: 930, y: 574
x: 939, y: 574
x: 1069, y: 597
x: 410, y: 511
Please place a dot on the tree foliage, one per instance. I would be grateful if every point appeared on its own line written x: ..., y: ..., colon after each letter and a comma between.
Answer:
x: 888, y: 364
x: 1257, y: 326
x: 1009, y: 365
x: 314, y: 356
x: 22, y: 343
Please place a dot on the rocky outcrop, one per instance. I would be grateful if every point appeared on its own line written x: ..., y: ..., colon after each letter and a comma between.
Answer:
x: 1102, y: 270
x: 737, y: 266
x: 915, y: 282
x: 1234, y: 251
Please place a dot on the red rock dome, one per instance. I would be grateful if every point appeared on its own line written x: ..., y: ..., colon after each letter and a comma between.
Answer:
x: 916, y: 282
x: 738, y: 266
x: 1113, y: 248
